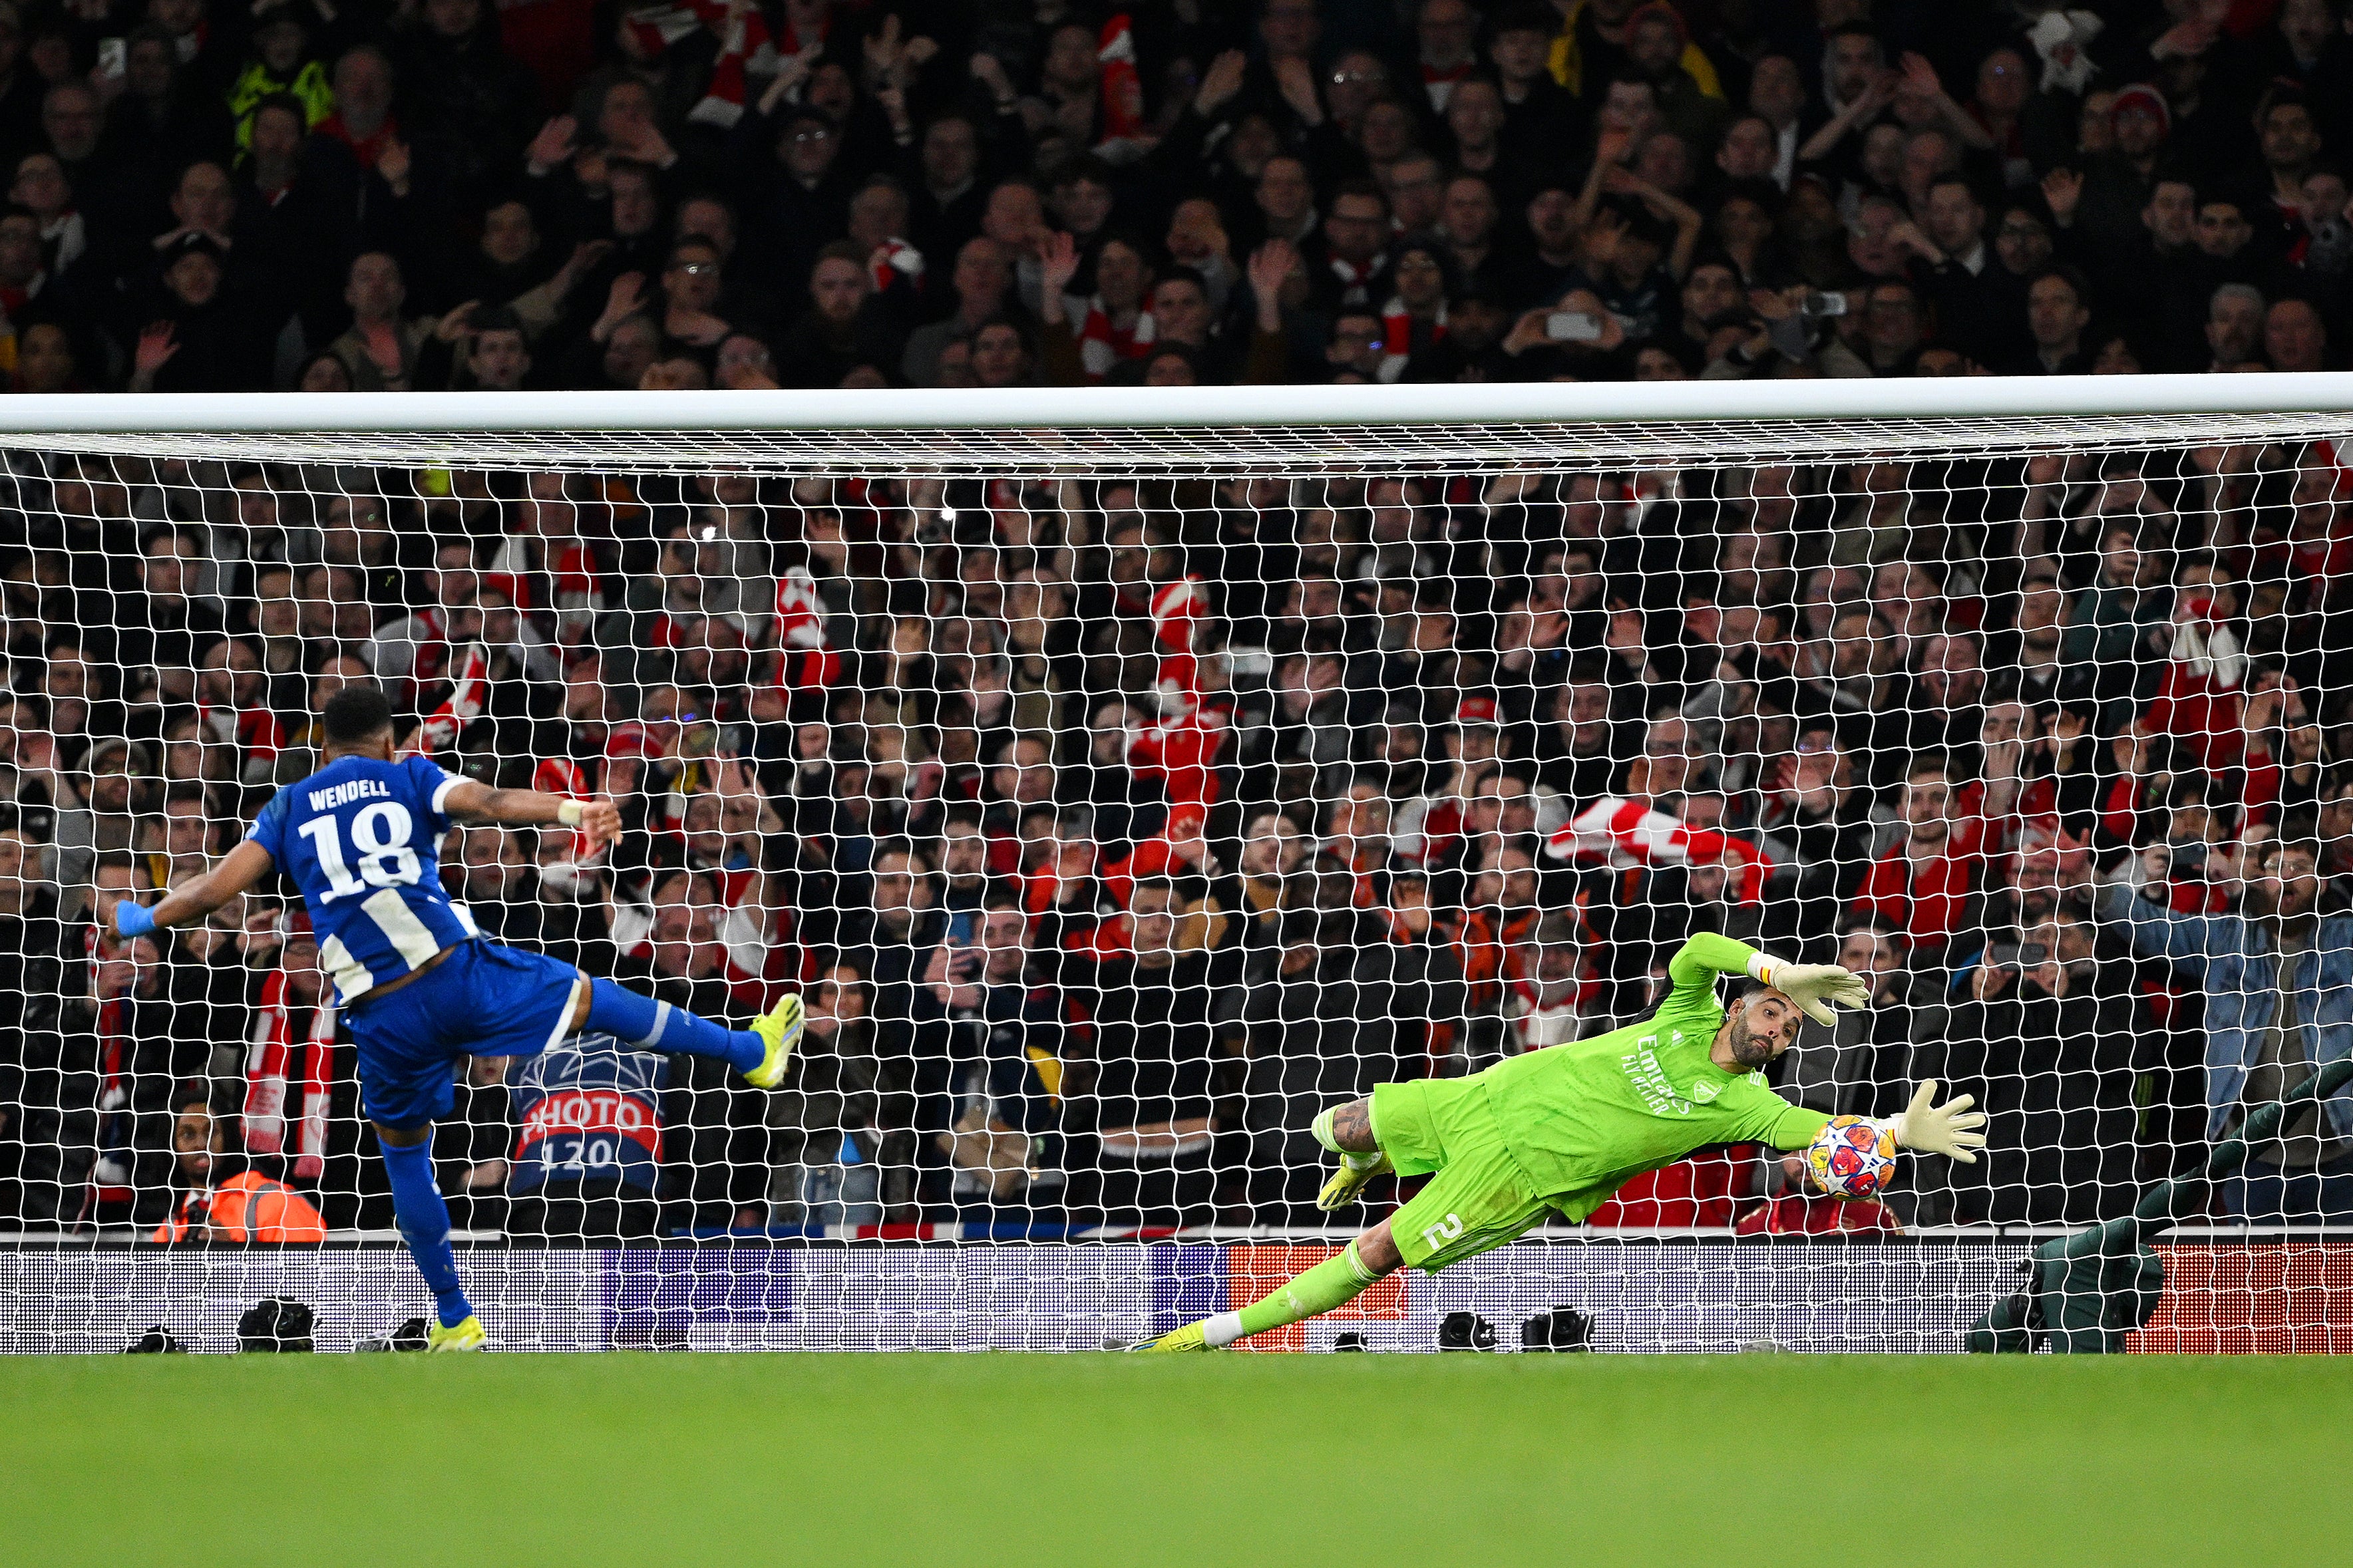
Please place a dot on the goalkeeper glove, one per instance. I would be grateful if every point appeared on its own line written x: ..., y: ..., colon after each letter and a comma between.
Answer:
x: 1813, y: 986
x: 1947, y: 1129
x: 132, y: 920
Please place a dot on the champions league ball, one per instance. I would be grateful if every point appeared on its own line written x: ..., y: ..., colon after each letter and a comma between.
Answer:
x: 1852, y: 1158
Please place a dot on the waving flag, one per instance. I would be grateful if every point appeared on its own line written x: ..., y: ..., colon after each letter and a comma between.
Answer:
x: 468, y: 688
x: 1619, y: 832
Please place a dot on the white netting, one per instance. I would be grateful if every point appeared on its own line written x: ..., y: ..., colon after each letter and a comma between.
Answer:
x: 1208, y: 450
x: 1118, y: 799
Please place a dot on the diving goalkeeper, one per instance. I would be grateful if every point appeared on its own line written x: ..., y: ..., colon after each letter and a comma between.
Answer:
x: 1563, y: 1128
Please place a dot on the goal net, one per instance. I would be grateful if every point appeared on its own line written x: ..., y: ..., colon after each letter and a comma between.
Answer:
x: 1120, y: 789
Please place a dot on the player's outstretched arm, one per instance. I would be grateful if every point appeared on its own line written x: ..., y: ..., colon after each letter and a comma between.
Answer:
x: 238, y: 870
x: 1950, y: 1129
x: 1708, y: 954
x: 1812, y: 987
x: 472, y: 802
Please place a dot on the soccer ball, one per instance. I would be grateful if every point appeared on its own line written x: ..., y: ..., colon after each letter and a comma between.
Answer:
x: 1852, y: 1158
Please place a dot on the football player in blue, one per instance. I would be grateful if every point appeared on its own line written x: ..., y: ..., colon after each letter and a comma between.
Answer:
x: 419, y: 986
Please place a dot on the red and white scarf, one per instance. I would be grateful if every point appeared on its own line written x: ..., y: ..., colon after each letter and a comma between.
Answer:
x: 895, y: 261
x: 1626, y: 833
x: 1355, y: 283
x: 268, y: 1060
x: 1536, y: 1023
x: 1177, y: 609
x: 2200, y: 700
x: 1101, y: 345
x: 631, y: 739
x: 442, y: 727
x: 805, y: 661
x: 1120, y: 86
x: 1397, y: 336
x: 1439, y: 81
x: 745, y: 49
x: 115, y: 1119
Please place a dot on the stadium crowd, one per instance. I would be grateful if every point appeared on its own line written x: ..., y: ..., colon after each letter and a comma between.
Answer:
x: 1109, y: 828
x: 428, y: 193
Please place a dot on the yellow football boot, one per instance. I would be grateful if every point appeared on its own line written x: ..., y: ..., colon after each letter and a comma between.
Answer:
x: 781, y: 1028
x: 466, y: 1334
x: 1175, y: 1342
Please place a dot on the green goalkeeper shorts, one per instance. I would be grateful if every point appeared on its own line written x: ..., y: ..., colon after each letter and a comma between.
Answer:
x: 1479, y: 1198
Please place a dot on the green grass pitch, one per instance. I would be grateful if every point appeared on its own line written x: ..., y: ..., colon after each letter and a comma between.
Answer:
x: 936, y: 1459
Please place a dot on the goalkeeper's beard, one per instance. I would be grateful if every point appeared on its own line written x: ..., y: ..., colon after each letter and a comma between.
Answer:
x: 1753, y: 1050
x: 1749, y: 1048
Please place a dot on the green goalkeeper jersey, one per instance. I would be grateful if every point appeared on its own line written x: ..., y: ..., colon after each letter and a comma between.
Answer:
x: 1584, y: 1118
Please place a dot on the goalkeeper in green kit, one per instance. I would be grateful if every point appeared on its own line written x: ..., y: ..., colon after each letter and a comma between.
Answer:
x: 1562, y: 1127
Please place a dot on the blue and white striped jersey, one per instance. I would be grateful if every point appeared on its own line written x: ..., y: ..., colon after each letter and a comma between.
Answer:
x: 362, y: 839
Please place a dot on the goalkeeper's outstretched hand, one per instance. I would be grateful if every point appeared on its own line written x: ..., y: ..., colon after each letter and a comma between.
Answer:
x: 1814, y: 987
x: 1947, y: 1129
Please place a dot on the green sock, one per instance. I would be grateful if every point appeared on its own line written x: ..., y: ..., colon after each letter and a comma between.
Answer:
x: 1334, y: 1282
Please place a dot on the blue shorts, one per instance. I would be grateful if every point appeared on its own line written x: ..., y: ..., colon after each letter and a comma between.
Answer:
x: 484, y: 1000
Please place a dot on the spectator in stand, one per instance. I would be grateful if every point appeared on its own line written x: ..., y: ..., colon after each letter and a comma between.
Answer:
x: 1817, y: 823
x: 1140, y: 1098
x: 381, y: 348
x: 1338, y: 1008
x: 221, y: 1200
x: 2277, y: 980
x: 42, y: 1067
x: 989, y: 1052
x: 1849, y: 1069
x: 982, y: 282
x: 1544, y: 1005
x: 1921, y: 882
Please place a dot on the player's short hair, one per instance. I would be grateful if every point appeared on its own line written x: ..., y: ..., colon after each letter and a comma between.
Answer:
x: 355, y: 714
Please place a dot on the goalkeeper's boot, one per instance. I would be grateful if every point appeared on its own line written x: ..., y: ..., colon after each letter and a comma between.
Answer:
x: 780, y: 1026
x: 1349, y: 1180
x: 1175, y: 1341
x: 466, y: 1334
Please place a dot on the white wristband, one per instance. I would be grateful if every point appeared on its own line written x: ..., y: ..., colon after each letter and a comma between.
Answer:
x: 570, y: 813
x: 1761, y: 966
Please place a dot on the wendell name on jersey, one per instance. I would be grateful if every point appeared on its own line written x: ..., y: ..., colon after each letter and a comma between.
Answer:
x: 334, y: 795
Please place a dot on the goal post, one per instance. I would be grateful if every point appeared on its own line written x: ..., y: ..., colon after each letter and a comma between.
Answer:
x: 1123, y: 776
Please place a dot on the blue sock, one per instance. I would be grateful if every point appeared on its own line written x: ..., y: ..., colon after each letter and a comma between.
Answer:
x: 424, y: 1225
x: 653, y: 1025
